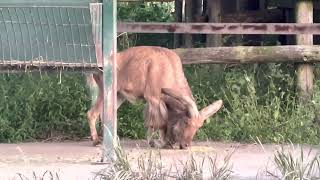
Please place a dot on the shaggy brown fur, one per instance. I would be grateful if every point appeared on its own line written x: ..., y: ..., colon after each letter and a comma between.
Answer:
x: 143, y: 73
x: 182, y: 125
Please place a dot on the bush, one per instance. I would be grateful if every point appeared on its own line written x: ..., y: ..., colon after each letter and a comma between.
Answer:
x: 35, y: 106
x: 260, y: 101
x: 145, y: 12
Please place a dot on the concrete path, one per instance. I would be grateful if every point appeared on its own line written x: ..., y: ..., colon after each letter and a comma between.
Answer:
x: 77, y: 160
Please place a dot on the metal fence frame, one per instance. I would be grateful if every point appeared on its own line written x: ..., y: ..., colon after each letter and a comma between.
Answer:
x: 104, y: 43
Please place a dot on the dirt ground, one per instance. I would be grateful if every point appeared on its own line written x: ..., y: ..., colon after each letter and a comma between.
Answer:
x: 78, y: 160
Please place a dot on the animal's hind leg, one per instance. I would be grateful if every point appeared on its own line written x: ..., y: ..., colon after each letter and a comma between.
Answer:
x: 120, y: 101
x: 96, y: 110
x: 92, y: 116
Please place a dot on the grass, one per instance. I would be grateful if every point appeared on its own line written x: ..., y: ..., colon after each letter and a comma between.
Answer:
x: 193, y: 170
x: 259, y: 101
x: 296, y: 164
x: 46, y: 175
x: 289, y: 165
x: 121, y: 169
x: 40, y: 106
x: 152, y: 168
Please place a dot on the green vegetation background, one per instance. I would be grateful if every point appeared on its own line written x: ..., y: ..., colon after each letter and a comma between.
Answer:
x: 260, y: 100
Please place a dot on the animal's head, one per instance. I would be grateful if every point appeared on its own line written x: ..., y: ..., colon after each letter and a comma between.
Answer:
x: 184, y: 119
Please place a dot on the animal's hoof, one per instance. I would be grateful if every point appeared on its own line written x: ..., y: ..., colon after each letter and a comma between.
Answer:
x: 96, y: 142
x: 156, y: 144
x: 152, y: 144
x: 184, y: 146
x: 167, y: 146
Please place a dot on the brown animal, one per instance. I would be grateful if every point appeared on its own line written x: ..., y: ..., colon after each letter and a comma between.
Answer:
x: 155, y: 75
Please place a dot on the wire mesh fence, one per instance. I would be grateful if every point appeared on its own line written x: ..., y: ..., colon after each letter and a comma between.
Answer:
x: 50, y: 36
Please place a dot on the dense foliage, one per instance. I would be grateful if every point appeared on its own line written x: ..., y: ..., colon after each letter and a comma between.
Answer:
x: 260, y: 100
x: 41, y: 106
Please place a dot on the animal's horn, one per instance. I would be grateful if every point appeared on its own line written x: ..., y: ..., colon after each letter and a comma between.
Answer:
x: 173, y: 103
x: 209, y: 111
x: 186, y: 101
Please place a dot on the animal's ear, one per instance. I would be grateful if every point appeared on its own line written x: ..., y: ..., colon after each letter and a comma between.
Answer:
x: 209, y: 111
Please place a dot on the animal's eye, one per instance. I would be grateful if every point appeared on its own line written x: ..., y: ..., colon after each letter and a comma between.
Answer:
x: 187, y: 122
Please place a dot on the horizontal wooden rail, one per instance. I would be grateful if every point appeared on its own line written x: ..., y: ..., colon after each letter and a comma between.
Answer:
x: 212, y: 55
x: 220, y: 28
x: 249, y: 54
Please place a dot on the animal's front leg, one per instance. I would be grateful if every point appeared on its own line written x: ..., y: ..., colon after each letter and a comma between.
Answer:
x: 164, y: 143
x: 154, y: 116
x: 148, y: 123
x: 161, y: 142
x: 150, y: 139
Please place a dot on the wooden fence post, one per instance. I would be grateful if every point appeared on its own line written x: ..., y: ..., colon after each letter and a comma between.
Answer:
x: 214, y: 13
x: 304, y: 14
x: 109, y: 78
x: 238, y: 38
x: 188, y: 18
x: 178, y: 18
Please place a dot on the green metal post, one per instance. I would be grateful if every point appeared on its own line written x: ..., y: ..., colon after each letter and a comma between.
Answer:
x: 109, y: 77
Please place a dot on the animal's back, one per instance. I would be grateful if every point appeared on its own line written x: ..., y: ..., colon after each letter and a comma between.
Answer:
x: 142, y: 64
